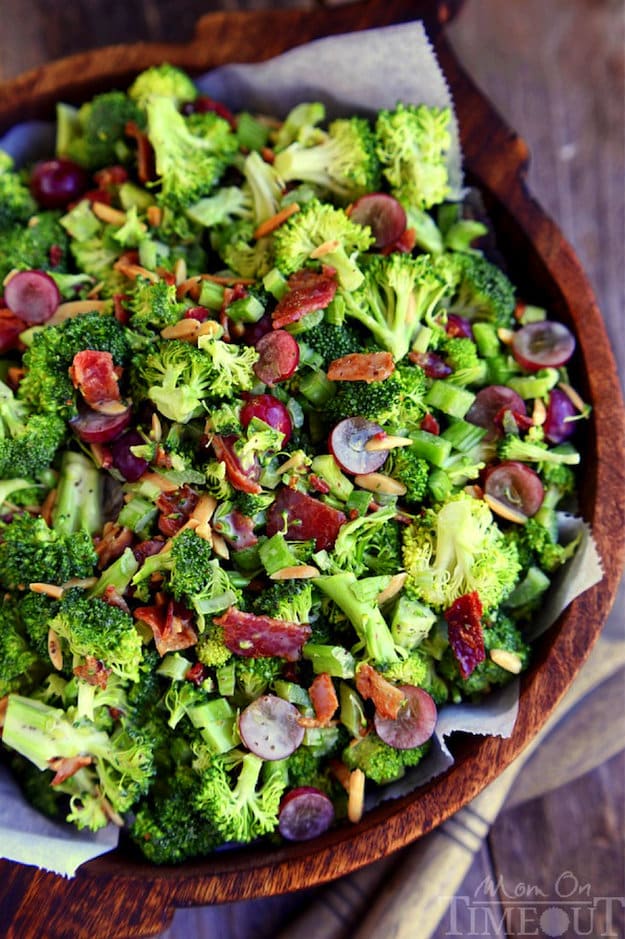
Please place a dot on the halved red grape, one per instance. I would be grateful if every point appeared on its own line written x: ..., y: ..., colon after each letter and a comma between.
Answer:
x: 347, y: 444
x: 278, y: 357
x: 130, y: 466
x: 269, y: 409
x: 56, y: 183
x: 305, y: 813
x: 545, y: 344
x: 489, y: 404
x: 270, y: 728
x: 96, y: 427
x: 384, y: 215
x: 413, y: 725
x: 33, y: 296
x: 255, y: 331
x: 558, y: 424
x: 514, y: 486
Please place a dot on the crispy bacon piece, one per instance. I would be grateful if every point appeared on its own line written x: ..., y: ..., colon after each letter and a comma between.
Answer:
x: 464, y: 620
x: 94, y: 672
x: 171, y: 624
x: 362, y: 366
x: 254, y: 636
x: 96, y: 377
x: 324, y: 701
x: 113, y: 597
x: 146, y: 169
x: 197, y: 674
x: 430, y: 424
x: 147, y: 548
x: 244, y: 481
x: 306, y: 518
x: 66, y: 766
x: 387, y: 698
x: 114, y: 541
x: 175, y: 508
x: 308, y: 291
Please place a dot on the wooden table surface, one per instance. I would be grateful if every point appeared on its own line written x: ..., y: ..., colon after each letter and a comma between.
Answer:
x: 556, y: 71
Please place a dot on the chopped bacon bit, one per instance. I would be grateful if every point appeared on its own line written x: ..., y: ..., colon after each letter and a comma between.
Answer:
x: 154, y: 215
x: 55, y: 254
x: 66, y: 766
x: 94, y: 672
x: 252, y: 636
x: 113, y: 597
x: 171, y: 624
x: 430, y: 425
x: 10, y: 328
x: 145, y: 549
x: 96, y: 377
x: 323, y: 698
x: 121, y: 313
x: 175, y: 508
x: 519, y: 309
x: 113, y: 175
x: 204, y: 103
x: 245, y: 481
x: 308, y: 291
x: 522, y: 421
x: 340, y: 772
x: 362, y: 366
x: 306, y: 518
x: 387, y: 698
x: 114, y: 541
x: 197, y: 674
x: 15, y: 374
x: 465, y: 632
x: 318, y: 484
x: 268, y: 155
x: 98, y: 195
x: 270, y: 224
x: 4, y: 703
x: 146, y: 169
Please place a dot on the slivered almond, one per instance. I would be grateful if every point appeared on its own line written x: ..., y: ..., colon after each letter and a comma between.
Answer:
x: 297, y: 572
x: 270, y: 224
x: 85, y: 582
x: 296, y: 463
x: 133, y: 271
x: 165, y: 485
x: 204, y: 509
x: 205, y: 532
x: 505, y: 335
x: 356, y: 795
x: 503, y: 510
x: 507, y: 660
x: 396, y: 583
x: 107, y: 213
x: 48, y: 590
x: 156, y: 430
x: 186, y: 329
x: 154, y: 215
x: 325, y: 248
x: 47, y: 507
x: 576, y: 400
x: 54, y: 650
x: 378, y: 482
x: 67, y: 311
x: 111, y: 814
x: 9, y: 276
x: 220, y: 547
x: 387, y: 442
x: 109, y: 407
x: 539, y: 413
x: 210, y: 328
x: 180, y: 271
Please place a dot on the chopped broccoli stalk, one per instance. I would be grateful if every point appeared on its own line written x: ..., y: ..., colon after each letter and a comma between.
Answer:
x: 529, y: 590
x: 326, y: 467
x: 365, y: 617
x: 449, y: 398
x: 333, y: 660
x: 533, y: 386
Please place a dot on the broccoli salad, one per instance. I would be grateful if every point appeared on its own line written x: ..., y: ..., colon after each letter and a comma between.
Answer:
x: 282, y: 452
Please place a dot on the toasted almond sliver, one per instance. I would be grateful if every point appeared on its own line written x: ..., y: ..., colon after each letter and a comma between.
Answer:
x: 67, y: 311
x: 576, y: 400
x: 133, y: 271
x: 378, y: 482
x: 48, y: 590
x: 154, y: 215
x: 356, y: 797
x: 396, y: 584
x: 505, y: 335
x: 186, y: 328
x: 180, y: 271
x: 204, y: 509
x: 108, y: 214
x: 210, y: 328
x: 270, y: 224
x: 85, y: 582
x: 54, y: 650
x: 10, y: 276
x: 156, y: 430
x: 205, y: 532
x: 297, y: 572
x: 109, y: 407
x: 4, y: 703
x: 503, y: 510
x: 220, y: 547
x: 165, y: 485
x: 387, y: 442
x: 325, y: 248
x: 507, y: 660
x: 539, y: 413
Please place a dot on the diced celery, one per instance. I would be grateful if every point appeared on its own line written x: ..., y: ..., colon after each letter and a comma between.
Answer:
x: 449, y: 398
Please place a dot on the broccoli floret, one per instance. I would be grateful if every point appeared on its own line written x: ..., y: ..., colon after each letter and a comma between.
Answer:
x: 35, y: 612
x: 119, y: 767
x: 153, y: 306
x: 225, y: 206
x: 369, y: 543
x: 211, y: 649
x: 513, y: 447
x: 398, y: 401
x: 92, y: 627
x: 40, y: 245
x: 456, y: 548
x: 248, y: 257
x: 46, y: 386
x: 502, y: 635
x: 265, y: 186
x: 96, y: 257
x: 331, y: 342
x: 191, y: 156
x: 405, y: 465
x: 288, y: 600
x: 398, y: 292
x: 163, y: 80
x: 461, y: 355
x: 28, y: 443
x: 418, y: 669
x: 17, y: 659
x: 236, y: 800
x: 16, y: 203
x: 31, y: 552
x: 232, y: 367
x: 537, y: 543
x: 300, y: 124
x: 99, y: 133
x: 176, y: 376
x: 317, y: 224
x: 343, y: 163
x: 255, y: 676
x: 380, y: 763
x: 412, y: 145
x: 478, y: 289
x: 305, y: 768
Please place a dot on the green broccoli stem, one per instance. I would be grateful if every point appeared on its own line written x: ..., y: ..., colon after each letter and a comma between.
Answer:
x: 117, y: 575
x: 366, y: 618
x: 78, y: 503
x: 331, y: 660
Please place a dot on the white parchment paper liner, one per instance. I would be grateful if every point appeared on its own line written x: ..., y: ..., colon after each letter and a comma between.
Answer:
x: 355, y: 73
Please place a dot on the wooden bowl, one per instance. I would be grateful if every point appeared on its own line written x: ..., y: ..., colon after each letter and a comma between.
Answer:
x: 120, y: 895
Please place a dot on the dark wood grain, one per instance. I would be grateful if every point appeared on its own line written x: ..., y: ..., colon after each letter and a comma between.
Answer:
x: 106, y: 892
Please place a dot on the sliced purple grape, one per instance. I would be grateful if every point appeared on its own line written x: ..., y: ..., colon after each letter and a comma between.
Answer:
x: 384, y: 215
x: 559, y: 424
x: 347, y: 445
x: 305, y: 813
x: 490, y: 403
x: 56, y: 183
x: 97, y: 427
x: 515, y: 486
x: 130, y: 466
x: 545, y: 344
x: 269, y: 409
x: 413, y: 725
x: 33, y: 296
x: 278, y: 356
x: 270, y: 728
x: 458, y: 327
